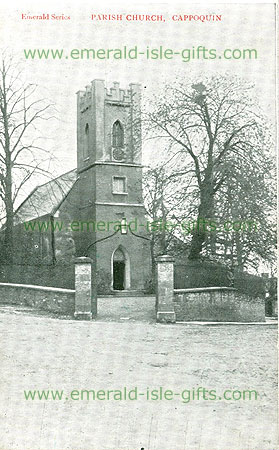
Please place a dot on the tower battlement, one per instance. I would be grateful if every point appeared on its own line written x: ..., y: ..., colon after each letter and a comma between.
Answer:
x: 113, y: 93
x: 108, y: 125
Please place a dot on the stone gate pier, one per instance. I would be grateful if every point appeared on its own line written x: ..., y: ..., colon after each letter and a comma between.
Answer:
x: 85, y: 302
x: 206, y: 304
x: 164, y: 289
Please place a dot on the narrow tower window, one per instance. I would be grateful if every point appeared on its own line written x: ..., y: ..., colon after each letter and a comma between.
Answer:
x: 117, y: 135
x: 124, y: 226
x: 86, y: 143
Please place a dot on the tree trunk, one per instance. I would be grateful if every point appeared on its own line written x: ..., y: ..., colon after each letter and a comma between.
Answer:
x: 8, y: 197
x: 239, y: 253
x: 163, y: 244
x: 204, y: 213
x: 9, y: 225
x: 153, y: 262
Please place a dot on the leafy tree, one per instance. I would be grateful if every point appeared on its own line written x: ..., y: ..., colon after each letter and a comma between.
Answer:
x: 248, y: 200
x: 221, y: 142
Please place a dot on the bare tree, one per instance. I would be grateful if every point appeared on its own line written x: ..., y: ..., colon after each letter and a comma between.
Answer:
x: 163, y: 199
x: 212, y: 126
x: 21, y: 156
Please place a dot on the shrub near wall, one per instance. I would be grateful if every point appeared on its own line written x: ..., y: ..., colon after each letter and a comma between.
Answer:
x: 250, y: 284
x: 196, y: 274
x: 58, y: 275
x: 103, y: 281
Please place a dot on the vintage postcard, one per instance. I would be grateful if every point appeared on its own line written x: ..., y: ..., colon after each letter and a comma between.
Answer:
x: 138, y: 282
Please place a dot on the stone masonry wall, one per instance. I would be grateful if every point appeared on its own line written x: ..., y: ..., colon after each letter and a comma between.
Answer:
x: 39, y: 297
x: 218, y: 305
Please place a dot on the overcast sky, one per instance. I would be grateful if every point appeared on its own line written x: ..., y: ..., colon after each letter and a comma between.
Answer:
x: 242, y: 26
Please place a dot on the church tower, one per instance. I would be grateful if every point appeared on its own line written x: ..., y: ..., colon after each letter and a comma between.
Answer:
x: 112, y: 229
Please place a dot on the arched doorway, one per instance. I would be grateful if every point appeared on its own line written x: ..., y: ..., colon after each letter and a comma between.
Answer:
x: 120, y: 269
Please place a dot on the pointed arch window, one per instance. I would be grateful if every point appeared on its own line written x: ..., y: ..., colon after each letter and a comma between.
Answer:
x: 86, y: 142
x: 117, y: 135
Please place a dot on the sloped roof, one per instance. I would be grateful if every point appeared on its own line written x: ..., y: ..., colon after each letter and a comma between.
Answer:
x: 45, y: 199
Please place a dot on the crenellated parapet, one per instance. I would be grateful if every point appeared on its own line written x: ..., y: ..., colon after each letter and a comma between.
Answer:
x: 114, y: 93
x: 117, y: 94
x: 103, y: 113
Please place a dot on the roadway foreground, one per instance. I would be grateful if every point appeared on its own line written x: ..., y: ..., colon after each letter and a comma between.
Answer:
x: 40, y: 352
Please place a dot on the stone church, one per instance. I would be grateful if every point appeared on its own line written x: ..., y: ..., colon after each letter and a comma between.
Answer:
x: 99, y: 206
